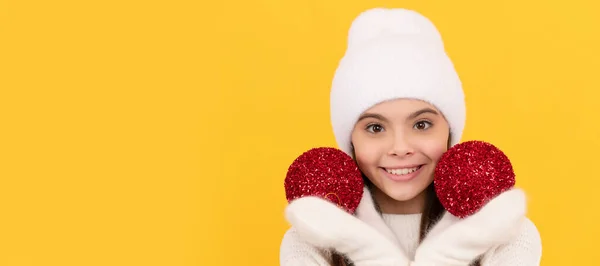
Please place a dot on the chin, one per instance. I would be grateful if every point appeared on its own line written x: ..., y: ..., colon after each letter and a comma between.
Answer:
x: 404, y: 191
x: 401, y: 194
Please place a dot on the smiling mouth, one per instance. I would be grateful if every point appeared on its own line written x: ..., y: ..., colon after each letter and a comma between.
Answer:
x: 403, y: 171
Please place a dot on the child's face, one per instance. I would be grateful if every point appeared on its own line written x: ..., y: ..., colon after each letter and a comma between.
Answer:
x: 397, y: 145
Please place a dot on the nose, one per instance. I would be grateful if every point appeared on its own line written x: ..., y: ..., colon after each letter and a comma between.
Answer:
x: 401, y: 145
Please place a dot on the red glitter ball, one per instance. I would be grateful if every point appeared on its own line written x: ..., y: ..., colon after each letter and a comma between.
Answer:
x: 328, y: 173
x: 470, y: 174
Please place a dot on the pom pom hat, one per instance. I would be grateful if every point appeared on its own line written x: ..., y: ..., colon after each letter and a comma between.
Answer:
x: 391, y: 54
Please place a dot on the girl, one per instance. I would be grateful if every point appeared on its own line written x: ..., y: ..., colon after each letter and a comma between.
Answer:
x: 397, y: 105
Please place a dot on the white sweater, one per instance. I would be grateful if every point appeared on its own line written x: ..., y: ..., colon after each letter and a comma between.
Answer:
x: 524, y: 251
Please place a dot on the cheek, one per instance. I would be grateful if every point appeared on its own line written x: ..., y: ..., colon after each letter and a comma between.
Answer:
x: 364, y: 153
x: 435, y: 148
x: 366, y: 150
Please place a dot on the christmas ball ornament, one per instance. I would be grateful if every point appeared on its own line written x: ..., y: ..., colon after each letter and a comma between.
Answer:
x: 328, y: 173
x: 470, y: 174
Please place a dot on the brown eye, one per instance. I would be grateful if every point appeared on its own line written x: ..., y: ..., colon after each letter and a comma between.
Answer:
x: 374, y: 128
x: 422, y: 125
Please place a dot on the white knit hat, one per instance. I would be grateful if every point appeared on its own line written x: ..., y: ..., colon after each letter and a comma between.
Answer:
x: 394, y: 53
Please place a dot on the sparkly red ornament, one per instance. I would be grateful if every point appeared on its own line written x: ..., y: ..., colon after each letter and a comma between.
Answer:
x: 470, y: 174
x: 328, y: 173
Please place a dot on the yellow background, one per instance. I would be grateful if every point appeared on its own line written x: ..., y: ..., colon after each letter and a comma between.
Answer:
x: 159, y: 132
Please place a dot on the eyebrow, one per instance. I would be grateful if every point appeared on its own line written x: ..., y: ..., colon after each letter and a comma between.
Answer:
x: 371, y: 115
x: 422, y: 111
x: 411, y: 116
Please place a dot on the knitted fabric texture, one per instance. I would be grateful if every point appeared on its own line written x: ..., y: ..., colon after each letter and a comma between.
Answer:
x: 391, y: 54
x: 525, y: 250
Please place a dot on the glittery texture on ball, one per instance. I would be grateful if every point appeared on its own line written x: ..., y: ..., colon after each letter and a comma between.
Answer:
x: 470, y: 174
x: 328, y: 173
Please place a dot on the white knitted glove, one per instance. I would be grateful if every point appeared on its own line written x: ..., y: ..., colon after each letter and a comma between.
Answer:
x: 324, y: 225
x: 367, y: 241
x: 458, y: 242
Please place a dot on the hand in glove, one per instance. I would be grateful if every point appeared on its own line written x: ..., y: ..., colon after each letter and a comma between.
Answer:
x: 457, y: 242
x: 367, y: 241
x: 324, y: 225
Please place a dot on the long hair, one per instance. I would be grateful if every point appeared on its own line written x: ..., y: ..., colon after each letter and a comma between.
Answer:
x: 432, y: 213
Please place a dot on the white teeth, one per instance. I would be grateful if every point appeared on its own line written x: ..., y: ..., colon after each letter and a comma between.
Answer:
x: 403, y: 171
